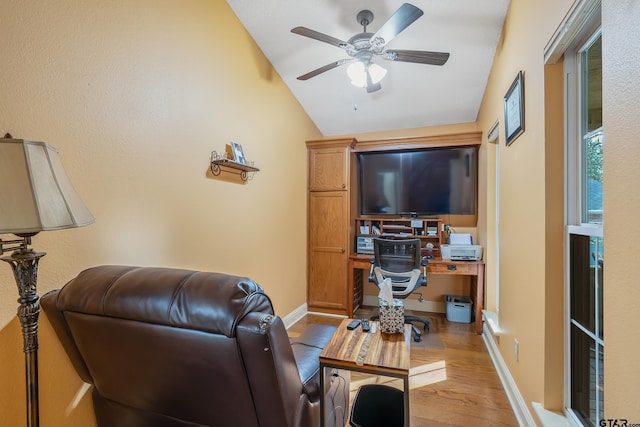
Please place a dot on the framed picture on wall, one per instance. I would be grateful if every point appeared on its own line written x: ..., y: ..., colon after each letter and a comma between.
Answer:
x: 514, y: 109
x: 238, y: 153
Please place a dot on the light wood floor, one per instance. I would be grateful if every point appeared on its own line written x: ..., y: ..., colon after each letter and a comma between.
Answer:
x: 453, y: 381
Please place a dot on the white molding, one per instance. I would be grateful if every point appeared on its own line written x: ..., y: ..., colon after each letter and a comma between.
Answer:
x: 550, y: 418
x: 518, y: 404
x: 579, y: 14
x: 591, y: 230
x: 320, y: 313
x: 491, y: 322
x: 410, y: 304
x: 294, y: 316
x: 494, y: 133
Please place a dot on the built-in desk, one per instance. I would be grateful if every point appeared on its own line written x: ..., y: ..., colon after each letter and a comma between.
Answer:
x: 474, y: 269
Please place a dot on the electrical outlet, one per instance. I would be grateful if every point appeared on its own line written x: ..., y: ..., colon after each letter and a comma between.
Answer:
x: 516, y: 349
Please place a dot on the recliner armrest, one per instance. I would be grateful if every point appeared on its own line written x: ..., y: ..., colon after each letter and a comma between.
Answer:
x: 306, y: 350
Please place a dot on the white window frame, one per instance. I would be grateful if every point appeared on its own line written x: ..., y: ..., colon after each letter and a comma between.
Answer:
x: 579, y: 21
x: 573, y: 182
x: 493, y: 136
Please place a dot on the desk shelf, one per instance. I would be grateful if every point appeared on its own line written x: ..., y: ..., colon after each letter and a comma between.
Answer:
x: 426, y: 229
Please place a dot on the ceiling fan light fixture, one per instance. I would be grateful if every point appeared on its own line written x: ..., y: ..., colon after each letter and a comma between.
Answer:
x: 357, y: 72
x: 363, y: 47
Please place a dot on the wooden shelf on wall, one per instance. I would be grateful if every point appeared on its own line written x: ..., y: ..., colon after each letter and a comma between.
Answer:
x: 245, y: 171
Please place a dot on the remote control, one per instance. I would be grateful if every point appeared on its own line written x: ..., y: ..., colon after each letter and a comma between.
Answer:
x: 353, y: 324
x: 365, y: 325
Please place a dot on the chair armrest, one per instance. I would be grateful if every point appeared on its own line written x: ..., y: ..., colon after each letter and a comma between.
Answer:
x: 372, y: 277
x: 423, y: 279
x: 306, y: 351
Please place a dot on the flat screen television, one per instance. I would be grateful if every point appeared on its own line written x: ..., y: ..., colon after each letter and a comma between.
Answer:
x: 433, y: 181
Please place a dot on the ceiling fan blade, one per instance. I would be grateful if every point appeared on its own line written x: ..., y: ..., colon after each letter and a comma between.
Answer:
x: 316, y: 35
x: 327, y: 67
x: 416, y: 56
x: 401, y: 19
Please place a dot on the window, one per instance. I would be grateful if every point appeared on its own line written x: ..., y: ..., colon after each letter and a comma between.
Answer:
x: 585, y: 255
x: 591, y: 117
x: 587, y: 341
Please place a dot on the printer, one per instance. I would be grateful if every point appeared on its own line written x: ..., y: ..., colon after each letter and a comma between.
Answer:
x: 461, y: 252
x: 460, y: 248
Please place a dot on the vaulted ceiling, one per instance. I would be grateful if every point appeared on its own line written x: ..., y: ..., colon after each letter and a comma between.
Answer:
x: 411, y: 94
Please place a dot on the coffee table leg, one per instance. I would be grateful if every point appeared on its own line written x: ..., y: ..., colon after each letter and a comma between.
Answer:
x: 407, y: 416
x: 322, y: 393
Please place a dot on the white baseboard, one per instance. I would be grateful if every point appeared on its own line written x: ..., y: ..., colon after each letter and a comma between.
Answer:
x: 302, y: 311
x: 518, y: 404
x: 550, y: 418
x: 294, y: 316
x: 410, y: 304
x: 491, y: 322
x: 321, y: 313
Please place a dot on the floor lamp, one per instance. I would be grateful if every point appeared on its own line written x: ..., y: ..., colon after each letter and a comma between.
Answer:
x: 35, y: 195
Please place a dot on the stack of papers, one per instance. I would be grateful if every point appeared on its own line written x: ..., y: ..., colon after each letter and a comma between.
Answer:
x: 460, y: 239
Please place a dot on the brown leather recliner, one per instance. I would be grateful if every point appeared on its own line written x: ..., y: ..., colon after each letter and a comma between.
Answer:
x: 175, y: 348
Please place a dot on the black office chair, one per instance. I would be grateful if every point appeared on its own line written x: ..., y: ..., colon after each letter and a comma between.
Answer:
x: 400, y: 261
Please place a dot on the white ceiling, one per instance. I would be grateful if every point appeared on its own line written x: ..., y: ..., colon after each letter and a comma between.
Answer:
x: 412, y: 95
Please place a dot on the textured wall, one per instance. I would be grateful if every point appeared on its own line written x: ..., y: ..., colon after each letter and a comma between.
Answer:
x: 136, y: 95
x: 621, y: 109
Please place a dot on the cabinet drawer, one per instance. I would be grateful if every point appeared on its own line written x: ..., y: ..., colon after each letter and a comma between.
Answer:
x: 453, y: 268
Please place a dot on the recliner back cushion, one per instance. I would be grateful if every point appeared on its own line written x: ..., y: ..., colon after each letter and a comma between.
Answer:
x: 159, y: 340
x: 174, y: 297
x: 164, y: 369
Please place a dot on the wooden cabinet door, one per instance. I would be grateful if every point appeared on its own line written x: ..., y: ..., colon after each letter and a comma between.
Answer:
x: 328, y: 236
x: 328, y: 169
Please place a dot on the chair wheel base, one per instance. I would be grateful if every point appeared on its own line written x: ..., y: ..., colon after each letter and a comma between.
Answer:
x: 417, y: 336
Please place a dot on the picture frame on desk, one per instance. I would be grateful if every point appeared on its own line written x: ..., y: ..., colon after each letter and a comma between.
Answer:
x: 514, y: 109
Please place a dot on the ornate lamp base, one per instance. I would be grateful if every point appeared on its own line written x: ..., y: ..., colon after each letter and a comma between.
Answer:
x: 24, y: 263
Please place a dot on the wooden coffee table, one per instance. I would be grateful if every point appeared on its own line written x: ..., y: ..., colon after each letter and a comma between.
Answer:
x: 369, y: 352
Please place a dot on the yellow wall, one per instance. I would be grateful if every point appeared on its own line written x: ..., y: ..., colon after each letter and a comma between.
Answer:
x: 531, y: 208
x: 136, y: 95
x: 621, y: 109
x: 526, y: 211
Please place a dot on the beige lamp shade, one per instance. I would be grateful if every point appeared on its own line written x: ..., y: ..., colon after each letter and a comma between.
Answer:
x: 35, y: 193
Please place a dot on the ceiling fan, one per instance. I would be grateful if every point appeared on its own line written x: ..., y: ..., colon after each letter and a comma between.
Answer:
x: 364, y: 47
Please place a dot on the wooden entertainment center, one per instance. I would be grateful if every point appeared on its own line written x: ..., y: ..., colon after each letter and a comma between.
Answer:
x: 334, y: 221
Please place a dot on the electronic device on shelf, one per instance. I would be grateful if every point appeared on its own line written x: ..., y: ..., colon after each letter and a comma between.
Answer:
x: 461, y: 252
x: 364, y: 245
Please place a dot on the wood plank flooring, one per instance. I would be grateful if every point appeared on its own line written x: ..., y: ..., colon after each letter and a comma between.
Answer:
x: 453, y: 381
